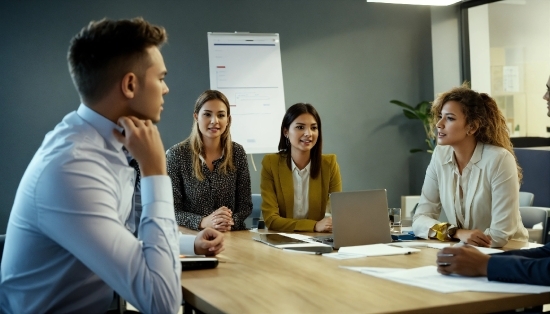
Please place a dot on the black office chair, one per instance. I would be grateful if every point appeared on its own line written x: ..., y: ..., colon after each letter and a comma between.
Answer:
x: 2, y: 240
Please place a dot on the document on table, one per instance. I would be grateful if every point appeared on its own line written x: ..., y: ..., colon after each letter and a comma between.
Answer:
x: 439, y: 246
x: 338, y: 255
x: 427, y: 277
x: 376, y: 250
x: 410, y: 244
x: 531, y: 245
x: 484, y: 250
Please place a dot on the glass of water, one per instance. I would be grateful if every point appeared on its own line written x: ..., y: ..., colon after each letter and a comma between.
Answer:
x: 395, y: 219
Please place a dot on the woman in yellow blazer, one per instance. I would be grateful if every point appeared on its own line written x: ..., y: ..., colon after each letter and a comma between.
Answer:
x: 296, y: 182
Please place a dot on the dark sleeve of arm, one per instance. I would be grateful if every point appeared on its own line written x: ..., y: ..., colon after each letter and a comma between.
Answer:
x: 174, y: 168
x: 541, y: 252
x: 519, y: 269
x: 243, y: 193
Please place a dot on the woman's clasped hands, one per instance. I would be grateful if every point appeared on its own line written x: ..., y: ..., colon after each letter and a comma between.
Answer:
x: 221, y: 219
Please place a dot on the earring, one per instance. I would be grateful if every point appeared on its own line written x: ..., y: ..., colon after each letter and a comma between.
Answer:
x: 287, y: 142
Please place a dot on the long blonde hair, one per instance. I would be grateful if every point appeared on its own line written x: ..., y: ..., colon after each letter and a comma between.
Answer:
x: 481, y: 112
x: 195, y: 138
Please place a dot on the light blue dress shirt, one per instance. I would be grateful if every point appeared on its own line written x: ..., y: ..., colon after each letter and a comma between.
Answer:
x: 68, y: 244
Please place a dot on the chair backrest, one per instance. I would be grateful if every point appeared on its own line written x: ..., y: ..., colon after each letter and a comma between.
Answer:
x: 252, y: 220
x: 526, y: 199
x: 2, y: 240
x: 531, y: 216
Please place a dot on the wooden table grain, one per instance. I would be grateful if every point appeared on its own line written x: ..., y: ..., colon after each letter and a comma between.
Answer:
x: 256, y: 278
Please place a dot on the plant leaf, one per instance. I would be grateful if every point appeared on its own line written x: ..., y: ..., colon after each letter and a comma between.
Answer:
x: 422, y: 116
x: 410, y: 114
x: 416, y: 150
x: 402, y: 104
x: 422, y: 106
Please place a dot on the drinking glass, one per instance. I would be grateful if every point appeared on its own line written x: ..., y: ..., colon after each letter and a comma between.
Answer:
x: 395, y: 219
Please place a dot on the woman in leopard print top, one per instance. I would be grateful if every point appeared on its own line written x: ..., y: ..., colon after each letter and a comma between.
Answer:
x: 209, y: 172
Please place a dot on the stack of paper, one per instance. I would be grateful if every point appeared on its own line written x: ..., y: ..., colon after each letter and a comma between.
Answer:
x: 427, y: 277
x: 370, y: 250
x: 440, y: 246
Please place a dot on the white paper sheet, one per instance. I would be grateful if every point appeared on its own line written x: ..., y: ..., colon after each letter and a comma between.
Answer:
x: 379, y: 270
x: 427, y: 277
x: 337, y: 255
x: 532, y: 246
x: 484, y: 250
x: 376, y: 250
x: 410, y: 244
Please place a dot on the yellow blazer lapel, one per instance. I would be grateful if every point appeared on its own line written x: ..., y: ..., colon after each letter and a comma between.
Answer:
x: 287, y: 186
x: 315, y: 202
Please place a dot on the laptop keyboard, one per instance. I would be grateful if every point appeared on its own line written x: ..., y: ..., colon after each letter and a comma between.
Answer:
x: 323, y: 240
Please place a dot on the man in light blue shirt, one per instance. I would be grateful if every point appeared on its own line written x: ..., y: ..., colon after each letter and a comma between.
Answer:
x: 69, y: 242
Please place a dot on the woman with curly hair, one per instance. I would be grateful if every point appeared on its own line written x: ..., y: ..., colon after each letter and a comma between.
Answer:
x: 473, y: 176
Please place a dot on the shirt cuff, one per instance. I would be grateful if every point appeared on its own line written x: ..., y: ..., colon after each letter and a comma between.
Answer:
x: 157, y: 198
x: 187, y: 244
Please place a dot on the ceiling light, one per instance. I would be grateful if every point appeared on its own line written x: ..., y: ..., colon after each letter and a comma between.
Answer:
x: 422, y: 2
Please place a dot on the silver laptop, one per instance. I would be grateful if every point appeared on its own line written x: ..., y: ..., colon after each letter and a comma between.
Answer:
x: 358, y: 218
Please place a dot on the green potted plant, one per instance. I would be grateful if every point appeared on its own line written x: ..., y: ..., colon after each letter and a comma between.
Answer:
x: 418, y: 163
x: 420, y: 112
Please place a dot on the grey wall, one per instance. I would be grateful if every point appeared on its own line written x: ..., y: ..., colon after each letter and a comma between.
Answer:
x: 346, y: 57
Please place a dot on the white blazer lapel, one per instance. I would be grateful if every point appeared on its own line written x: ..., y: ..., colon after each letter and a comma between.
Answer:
x: 472, y: 183
x: 472, y: 187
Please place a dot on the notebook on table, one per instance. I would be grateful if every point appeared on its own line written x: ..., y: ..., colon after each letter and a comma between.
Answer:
x: 358, y: 218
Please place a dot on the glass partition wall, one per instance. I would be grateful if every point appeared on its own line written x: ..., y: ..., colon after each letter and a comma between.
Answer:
x: 506, y: 54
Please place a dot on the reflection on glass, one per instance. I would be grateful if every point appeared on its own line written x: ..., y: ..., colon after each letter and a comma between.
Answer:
x: 509, y: 57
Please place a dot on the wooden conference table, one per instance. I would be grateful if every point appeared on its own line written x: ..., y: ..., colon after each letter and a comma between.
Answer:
x: 256, y: 278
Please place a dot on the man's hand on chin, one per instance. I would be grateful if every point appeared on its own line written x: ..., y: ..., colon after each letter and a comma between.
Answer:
x: 209, y: 242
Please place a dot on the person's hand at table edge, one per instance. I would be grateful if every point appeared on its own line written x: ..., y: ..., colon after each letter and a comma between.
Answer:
x: 209, y: 242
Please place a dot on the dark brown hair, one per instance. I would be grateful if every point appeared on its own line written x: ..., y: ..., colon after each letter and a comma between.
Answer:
x: 104, y: 51
x: 291, y: 114
x: 481, y: 113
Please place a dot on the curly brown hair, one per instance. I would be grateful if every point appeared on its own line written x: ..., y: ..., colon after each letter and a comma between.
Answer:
x: 482, y: 114
x: 104, y: 51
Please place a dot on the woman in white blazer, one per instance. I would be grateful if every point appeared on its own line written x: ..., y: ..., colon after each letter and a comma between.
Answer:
x: 473, y: 175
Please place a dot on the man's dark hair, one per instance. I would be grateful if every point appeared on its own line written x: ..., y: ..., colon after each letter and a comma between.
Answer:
x: 104, y: 51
